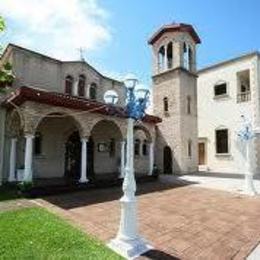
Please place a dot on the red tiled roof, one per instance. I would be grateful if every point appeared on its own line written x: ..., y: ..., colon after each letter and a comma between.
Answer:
x: 175, y: 27
x: 63, y: 100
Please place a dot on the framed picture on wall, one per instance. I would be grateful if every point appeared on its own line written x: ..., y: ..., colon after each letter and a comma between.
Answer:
x: 103, y: 147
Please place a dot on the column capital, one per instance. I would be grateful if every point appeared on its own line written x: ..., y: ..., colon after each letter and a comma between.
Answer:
x: 84, y: 139
x: 29, y: 135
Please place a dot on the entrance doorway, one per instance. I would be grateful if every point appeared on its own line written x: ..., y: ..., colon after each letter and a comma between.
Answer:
x: 202, y: 159
x: 73, y: 157
x: 167, y: 160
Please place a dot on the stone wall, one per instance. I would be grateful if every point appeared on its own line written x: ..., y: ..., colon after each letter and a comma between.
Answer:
x: 177, y: 127
x: 38, y: 71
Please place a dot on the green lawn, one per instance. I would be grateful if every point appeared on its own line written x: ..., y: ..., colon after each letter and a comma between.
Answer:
x: 34, y: 233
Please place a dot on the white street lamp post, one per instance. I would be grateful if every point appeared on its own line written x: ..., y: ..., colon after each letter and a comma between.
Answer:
x: 128, y: 243
x: 246, y: 135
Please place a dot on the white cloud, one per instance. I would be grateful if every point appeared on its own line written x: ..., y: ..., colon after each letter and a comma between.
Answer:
x: 57, y: 27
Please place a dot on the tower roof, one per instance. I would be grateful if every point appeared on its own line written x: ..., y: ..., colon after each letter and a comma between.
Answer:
x: 175, y: 27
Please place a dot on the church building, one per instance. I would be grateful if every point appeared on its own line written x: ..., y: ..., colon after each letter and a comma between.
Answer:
x: 55, y: 125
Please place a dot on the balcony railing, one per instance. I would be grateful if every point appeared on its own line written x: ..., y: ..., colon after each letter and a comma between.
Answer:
x: 243, y: 97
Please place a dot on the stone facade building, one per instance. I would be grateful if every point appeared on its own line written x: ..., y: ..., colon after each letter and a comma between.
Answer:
x: 54, y: 123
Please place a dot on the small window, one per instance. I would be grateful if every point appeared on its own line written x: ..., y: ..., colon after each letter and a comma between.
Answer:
x: 190, y: 148
x: 137, y: 147
x: 144, y: 148
x: 68, y: 85
x: 220, y: 89
x: 165, y: 104
x: 38, y: 144
x: 81, y: 85
x: 188, y: 105
x: 222, y: 141
x: 93, y: 91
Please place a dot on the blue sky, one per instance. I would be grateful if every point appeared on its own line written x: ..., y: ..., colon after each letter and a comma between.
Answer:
x: 114, y: 33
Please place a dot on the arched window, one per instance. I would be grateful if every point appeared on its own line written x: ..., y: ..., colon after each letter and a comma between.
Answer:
x: 165, y: 104
x: 185, y: 56
x: 93, y: 91
x: 169, y: 55
x: 69, y: 85
x: 190, y: 148
x: 81, y: 85
x: 137, y: 147
x: 161, y: 58
x: 144, y: 148
x: 188, y: 105
x: 190, y: 54
x: 38, y: 143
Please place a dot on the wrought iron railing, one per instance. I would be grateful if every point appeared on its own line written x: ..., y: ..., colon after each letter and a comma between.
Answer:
x: 244, y: 96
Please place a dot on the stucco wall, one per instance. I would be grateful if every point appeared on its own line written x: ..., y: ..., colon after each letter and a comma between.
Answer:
x: 223, y: 112
x: 36, y: 70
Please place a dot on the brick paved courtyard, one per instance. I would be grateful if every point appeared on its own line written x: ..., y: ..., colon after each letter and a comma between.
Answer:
x: 183, y: 222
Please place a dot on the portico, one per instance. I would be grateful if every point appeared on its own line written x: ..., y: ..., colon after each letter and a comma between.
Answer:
x: 53, y: 140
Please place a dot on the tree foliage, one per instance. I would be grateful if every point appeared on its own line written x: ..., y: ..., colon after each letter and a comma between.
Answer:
x: 6, y: 76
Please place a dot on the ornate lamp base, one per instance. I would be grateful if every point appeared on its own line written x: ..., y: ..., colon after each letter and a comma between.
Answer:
x: 129, y: 249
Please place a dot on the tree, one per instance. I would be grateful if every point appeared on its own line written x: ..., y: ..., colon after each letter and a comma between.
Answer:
x: 6, y: 75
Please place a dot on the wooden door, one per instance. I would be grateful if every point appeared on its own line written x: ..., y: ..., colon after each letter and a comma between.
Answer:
x: 201, y: 153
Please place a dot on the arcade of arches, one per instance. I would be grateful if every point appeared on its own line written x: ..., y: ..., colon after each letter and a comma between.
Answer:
x: 54, y: 142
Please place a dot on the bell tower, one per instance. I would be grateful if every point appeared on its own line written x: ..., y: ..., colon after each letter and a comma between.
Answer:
x: 175, y: 97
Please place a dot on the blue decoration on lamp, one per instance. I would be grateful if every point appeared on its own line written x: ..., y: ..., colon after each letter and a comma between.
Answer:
x: 137, y: 100
x: 246, y: 132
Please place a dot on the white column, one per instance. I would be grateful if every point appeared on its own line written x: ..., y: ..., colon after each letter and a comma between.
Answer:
x: 83, y: 176
x: 122, y: 166
x: 12, y: 162
x: 151, y: 158
x: 28, y: 158
x: 75, y: 90
x: 165, y: 58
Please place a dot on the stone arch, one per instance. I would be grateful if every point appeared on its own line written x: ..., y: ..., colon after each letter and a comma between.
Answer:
x: 141, y: 127
x: 111, y: 123
x: 106, y: 139
x: 60, y: 146
x: 88, y: 123
x: 55, y: 115
x: 161, y: 58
